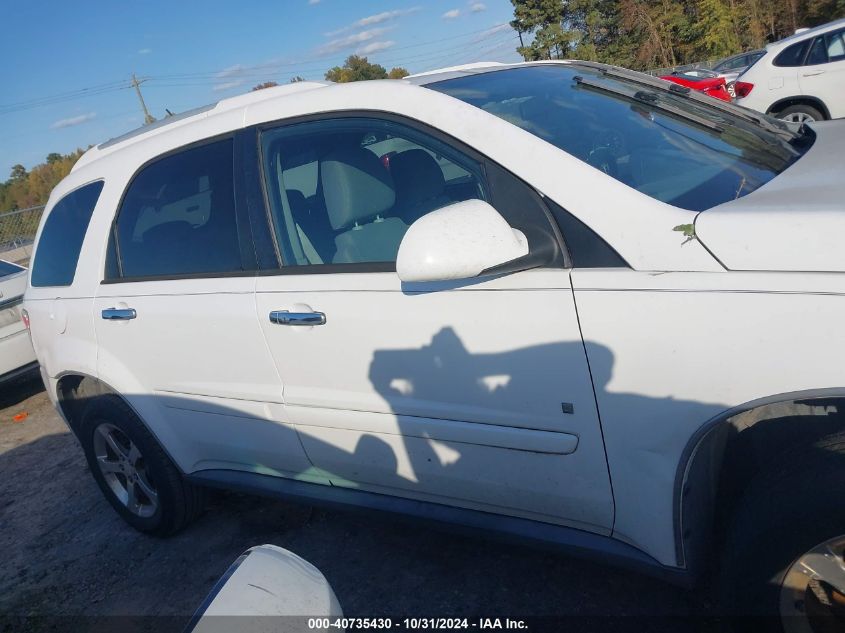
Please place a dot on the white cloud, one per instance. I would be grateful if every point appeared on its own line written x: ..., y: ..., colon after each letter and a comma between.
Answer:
x: 378, y: 18
x: 477, y: 7
x: 349, y: 41
x: 313, y: 1
x: 145, y: 51
x: 492, y: 31
x: 451, y: 15
x: 74, y: 120
x: 227, y: 85
x: 370, y: 20
x: 375, y: 47
x: 231, y: 71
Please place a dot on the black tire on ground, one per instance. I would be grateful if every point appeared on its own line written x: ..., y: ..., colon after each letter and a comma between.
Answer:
x: 179, y: 502
x: 788, y: 509
x: 800, y: 108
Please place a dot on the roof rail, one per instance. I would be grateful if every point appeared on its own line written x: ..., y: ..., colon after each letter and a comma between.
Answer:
x: 158, y: 124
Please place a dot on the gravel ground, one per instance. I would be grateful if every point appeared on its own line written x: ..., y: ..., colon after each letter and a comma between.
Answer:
x: 70, y: 563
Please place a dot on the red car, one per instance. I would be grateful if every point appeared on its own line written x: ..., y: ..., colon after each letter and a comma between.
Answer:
x: 714, y: 87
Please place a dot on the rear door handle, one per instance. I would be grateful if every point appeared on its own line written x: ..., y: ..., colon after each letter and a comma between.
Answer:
x: 119, y: 314
x: 283, y: 317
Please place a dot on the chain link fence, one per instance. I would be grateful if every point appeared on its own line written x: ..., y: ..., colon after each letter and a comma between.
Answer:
x: 17, y: 234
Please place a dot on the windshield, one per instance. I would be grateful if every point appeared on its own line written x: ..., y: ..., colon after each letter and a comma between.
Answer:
x: 665, y: 145
x: 7, y: 269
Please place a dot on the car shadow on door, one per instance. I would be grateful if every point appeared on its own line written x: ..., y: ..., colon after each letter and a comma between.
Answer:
x: 482, y: 431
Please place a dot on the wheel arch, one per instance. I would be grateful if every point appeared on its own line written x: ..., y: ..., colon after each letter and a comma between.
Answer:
x: 815, y: 102
x: 719, y: 459
x: 75, y: 390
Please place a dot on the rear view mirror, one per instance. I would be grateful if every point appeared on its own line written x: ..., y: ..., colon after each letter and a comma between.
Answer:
x: 460, y: 241
x: 268, y: 582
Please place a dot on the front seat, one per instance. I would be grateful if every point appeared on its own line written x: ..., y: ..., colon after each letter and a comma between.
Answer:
x: 420, y: 184
x: 358, y: 193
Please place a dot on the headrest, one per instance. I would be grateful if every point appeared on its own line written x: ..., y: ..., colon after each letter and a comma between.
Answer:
x: 356, y: 186
x: 296, y: 199
x: 417, y: 175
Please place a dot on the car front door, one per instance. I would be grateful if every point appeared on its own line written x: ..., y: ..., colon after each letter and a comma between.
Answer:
x: 175, y: 320
x: 475, y: 393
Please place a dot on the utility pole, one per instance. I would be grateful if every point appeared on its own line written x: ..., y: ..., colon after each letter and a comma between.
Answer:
x: 148, y: 118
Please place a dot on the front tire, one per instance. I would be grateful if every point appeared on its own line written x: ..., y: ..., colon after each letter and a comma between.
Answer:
x: 800, y: 113
x: 784, y: 556
x: 133, y: 472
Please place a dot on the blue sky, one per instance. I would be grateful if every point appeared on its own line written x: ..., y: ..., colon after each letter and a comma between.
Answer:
x: 66, y: 65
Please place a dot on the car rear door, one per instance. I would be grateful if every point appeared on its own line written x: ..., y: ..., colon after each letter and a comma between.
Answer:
x: 475, y: 393
x: 175, y: 319
x: 823, y: 73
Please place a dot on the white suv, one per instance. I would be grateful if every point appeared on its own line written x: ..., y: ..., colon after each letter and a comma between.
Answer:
x: 529, y: 299
x: 800, y: 78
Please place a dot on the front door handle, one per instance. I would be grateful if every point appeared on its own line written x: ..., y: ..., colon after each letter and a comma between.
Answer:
x: 119, y: 314
x: 283, y: 317
x: 813, y: 73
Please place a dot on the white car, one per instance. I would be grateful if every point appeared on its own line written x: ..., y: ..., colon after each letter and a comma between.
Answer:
x: 16, y: 354
x: 800, y: 78
x: 531, y: 299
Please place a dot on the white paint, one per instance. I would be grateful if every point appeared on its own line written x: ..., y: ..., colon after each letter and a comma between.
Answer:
x: 15, y: 345
x: 458, y: 242
x: 270, y: 581
x: 394, y: 368
x: 668, y: 352
x: 794, y: 222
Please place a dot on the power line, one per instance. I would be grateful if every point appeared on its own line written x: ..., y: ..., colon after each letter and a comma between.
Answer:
x: 256, y: 71
x: 499, y: 39
x: 60, y: 99
x: 270, y: 65
x: 107, y: 85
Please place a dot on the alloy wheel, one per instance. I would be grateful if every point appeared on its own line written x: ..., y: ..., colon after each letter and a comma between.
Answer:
x: 798, y: 117
x: 812, y: 595
x: 124, y: 470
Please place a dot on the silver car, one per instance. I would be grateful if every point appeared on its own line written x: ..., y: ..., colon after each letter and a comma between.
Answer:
x: 732, y: 67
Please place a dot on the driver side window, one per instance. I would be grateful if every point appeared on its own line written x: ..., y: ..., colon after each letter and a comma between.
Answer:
x: 344, y: 191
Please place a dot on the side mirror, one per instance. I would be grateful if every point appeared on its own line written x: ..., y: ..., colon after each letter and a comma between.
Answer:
x: 460, y: 241
x: 266, y: 581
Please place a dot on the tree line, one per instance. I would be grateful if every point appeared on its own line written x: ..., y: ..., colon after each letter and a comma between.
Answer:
x: 643, y: 34
x: 355, y: 68
x: 31, y: 188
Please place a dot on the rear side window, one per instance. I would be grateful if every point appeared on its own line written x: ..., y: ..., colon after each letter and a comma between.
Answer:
x: 61, y: 238
x: 178, y: 217
x: 792, y: 55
